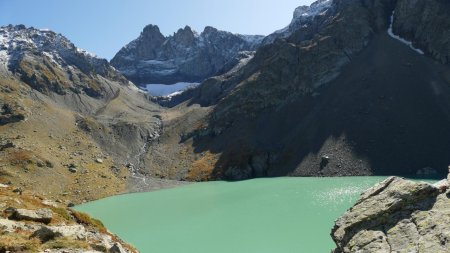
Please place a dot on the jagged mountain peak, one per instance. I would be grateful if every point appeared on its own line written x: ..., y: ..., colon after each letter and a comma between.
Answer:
x: 150, y: 28
x: 184, y: 56
x: 187, y: 29
x: 152, y: 32
x: 185, y: 36
x: 210, y: 29
x: 310, y: 11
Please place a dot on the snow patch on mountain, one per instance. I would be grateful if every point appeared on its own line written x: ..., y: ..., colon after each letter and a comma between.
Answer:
x: 402, y: 40
x: 164, y: 90
x: 252, y: 39
x: 87, y: 53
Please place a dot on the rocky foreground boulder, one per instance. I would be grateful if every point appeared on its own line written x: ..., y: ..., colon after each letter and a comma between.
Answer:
x: 29, y: 223
x: 397, y: 215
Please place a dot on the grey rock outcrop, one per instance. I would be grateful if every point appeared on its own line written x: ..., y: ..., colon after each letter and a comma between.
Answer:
x: 46, y: 233
x: 11, y: 226
x: 9, y: 113
x: 31, y: 226
x: 397, y: 215
x: 75, y: 231
x: 41, y: 215
x: 117, y: 248
x: 5, y: 144
x: 185, y: 56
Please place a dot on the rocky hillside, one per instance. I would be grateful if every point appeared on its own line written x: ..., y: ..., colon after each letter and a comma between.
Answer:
x: 359, y: 88
x: 184, y: 57
x: 31, y: 223
x: 69, y: 118
x: 350, y: 87
x: 397, y: 215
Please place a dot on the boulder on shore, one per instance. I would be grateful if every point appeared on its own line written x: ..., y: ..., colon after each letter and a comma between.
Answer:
x: 397, y: 215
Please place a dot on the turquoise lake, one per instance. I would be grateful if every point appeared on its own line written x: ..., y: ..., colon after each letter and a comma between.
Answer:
x: 276, y: 215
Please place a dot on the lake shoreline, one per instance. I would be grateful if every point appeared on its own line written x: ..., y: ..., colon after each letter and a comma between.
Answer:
x: 138, y: 185
x: 158, y: 184
x: 221, y: 206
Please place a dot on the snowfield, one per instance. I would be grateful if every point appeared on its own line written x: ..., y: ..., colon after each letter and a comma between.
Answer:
x: 408, y: 43
x: 164, y: 90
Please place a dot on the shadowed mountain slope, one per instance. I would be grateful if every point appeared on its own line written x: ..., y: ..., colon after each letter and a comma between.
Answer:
x: 337, y: 97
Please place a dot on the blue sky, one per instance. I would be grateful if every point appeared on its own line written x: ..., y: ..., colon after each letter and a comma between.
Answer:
x: 104, y: 26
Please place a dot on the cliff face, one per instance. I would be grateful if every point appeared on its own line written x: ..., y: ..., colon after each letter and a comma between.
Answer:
x: 397, y: 215
x: 186, y: 56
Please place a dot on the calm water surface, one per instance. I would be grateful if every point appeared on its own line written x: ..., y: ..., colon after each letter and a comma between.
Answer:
x: 277, y: 215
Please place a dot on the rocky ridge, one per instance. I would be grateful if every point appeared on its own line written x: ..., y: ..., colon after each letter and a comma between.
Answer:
x: 69, y: 117
x: 49, y: 62
x: 397, y: 215
x: 184, y: 57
